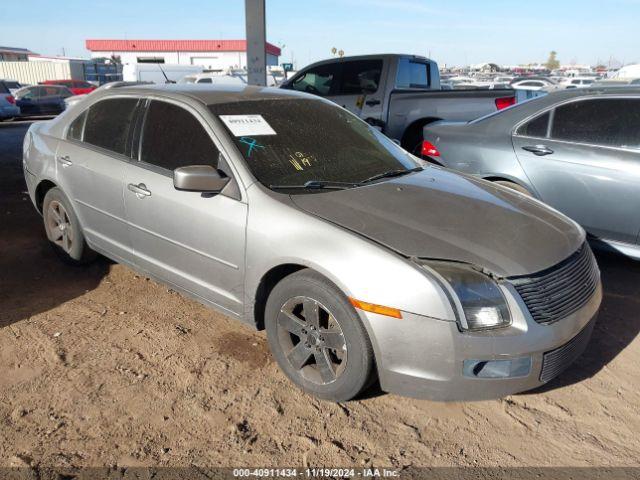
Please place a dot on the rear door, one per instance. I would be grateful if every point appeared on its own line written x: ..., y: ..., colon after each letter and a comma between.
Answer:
x: 28, y: 101
x: 51, y: 99
x: 193, y: 240
x: 583, y: 158
x: 359, y: 88
x: 91, y: 163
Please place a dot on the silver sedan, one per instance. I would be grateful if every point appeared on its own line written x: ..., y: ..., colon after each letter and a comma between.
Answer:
x: 576, y: 150
x: 292, y: 215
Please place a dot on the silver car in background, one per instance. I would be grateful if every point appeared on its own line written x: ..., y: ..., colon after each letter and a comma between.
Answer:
x: 576, y: 150
x: 289, y: 213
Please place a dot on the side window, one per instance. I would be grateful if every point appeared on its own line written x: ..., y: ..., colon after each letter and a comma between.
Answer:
x: 108, y: 123
x: 27, y: 94
x: 205, y: 80
x: 172, y: 138
x: 318, y: 80
x: 77, y: 126
x: 413, y: 74
x: 609, y: 122
x: 536, y: 127
x: 361, y: 76
x: 51, y: 91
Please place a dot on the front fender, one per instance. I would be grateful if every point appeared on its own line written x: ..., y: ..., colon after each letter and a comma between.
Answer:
x: 279, y: 233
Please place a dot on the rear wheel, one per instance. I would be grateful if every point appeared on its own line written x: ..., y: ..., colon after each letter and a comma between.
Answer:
x: 513, y: 186
x: 63, y: 229
x: 317, y: 337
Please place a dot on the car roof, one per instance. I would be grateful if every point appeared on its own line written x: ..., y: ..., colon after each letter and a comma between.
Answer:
x: 212, y: 94
x: 382, y: 56
x: 508, y: 117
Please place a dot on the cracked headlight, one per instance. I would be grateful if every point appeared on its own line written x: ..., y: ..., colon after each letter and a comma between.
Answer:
x: 476, y: 298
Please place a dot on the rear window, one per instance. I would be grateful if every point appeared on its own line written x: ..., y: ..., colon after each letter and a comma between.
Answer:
x: 3, y: 88
x: 108, y: 123
x: 608, y: 122
x: 413, y: 74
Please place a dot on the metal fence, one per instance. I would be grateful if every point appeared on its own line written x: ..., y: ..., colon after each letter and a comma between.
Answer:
x: 34, y: 72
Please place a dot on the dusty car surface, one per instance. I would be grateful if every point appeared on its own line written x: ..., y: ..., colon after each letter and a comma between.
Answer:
x: 576, y: 150
x: 291, y: 214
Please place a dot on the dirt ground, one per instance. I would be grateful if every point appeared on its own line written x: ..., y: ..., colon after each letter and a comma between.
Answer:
x: 100, y: 366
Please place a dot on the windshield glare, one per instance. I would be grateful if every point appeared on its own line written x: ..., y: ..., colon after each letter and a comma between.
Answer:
x: 302, y: 140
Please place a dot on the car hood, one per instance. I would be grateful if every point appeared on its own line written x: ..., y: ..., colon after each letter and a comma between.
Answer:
x: 439, y: 214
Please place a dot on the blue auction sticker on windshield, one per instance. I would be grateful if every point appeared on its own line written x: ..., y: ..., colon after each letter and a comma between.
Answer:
x: 247, y: 125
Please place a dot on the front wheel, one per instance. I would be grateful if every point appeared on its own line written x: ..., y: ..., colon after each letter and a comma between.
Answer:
x: 63, y: 229
x: 317, y: 337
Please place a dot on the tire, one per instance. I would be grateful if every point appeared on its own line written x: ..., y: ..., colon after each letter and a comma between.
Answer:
x: 63, y: 229
x: 334, y: 338
x: 513, y: 186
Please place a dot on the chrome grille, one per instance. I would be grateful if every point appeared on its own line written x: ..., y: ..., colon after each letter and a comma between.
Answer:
x: 558, y: 292
x: 556, y: 361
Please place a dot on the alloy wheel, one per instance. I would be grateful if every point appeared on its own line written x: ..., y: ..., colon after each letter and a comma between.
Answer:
x: 312, y: 340
x: 59, y: 226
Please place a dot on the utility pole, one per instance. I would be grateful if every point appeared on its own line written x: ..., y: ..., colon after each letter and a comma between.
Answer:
x: 256, y: 42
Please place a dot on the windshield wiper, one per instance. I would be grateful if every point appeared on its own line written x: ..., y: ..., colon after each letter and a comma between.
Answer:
x: 391, y: 173
x: 317, y: 185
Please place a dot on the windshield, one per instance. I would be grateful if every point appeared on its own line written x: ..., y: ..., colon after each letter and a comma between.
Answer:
x: 295, y: 142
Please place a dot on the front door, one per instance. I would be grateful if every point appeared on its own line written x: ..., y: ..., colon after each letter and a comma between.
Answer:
x: 92, y: 160
x: 583, y: 158
x: 195, y: 241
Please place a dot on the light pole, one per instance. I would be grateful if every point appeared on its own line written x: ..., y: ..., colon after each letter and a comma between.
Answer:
x: 256, y: 42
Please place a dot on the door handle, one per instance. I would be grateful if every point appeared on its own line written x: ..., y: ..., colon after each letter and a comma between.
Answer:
x: 65, y: 161
x: 373, y: 102
x: 539, y: 150
x: 140, y: 190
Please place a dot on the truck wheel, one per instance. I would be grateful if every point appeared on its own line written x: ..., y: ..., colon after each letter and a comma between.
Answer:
x: 317, y: 337
x: 513, y: 186
x: 63, y: 229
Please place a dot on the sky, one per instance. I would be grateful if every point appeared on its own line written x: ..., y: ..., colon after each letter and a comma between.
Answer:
x: 454, y: 32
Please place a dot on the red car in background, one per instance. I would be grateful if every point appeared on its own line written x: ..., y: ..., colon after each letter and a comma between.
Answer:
x: 77, y: 87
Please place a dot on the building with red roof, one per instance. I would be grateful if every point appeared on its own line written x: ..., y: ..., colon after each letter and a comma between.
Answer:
x: 214, y: 55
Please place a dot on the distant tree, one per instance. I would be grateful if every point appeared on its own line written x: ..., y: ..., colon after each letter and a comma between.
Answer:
x: 552, y: 62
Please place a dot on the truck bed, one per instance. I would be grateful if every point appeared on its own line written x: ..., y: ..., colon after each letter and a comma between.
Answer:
x: 409, y: 106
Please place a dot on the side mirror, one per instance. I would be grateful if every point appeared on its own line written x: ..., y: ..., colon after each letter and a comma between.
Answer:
x: 199, y: 178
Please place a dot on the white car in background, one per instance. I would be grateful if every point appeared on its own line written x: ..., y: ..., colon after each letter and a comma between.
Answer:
x: 577, y: 82
x: 533, y: 84
x: 231, y: 77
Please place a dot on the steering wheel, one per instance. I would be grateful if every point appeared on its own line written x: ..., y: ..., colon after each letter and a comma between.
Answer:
x: 312, y: 89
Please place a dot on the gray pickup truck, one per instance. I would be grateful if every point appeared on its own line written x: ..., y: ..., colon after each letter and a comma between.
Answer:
x: 400, y: 94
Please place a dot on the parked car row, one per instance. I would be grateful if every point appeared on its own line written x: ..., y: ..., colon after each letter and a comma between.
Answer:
x: 47, y: 98
x: 285, y: 211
